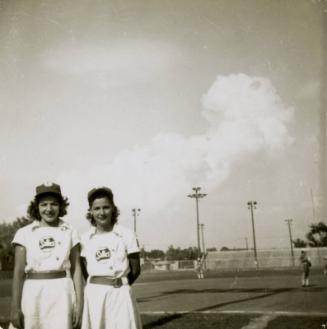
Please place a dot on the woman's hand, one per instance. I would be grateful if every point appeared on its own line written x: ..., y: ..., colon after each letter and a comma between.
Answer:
x: 77, y: 316
x: 17, y: 318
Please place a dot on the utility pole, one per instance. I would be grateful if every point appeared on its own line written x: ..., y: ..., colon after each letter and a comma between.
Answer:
x: 246, y: 243
x: 196, y: 195
x: 289, y: 223
x: 252, y: 205
x: 135, y: 212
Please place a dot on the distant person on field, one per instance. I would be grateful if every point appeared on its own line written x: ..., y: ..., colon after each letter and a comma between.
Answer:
x: 325, y: 267
x: 306, y: 265
x: 199, y: 268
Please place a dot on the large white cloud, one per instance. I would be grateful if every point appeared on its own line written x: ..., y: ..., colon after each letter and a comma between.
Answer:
x: 245, y: 115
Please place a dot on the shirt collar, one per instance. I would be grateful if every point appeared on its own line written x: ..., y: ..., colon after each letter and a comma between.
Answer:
x: 37, y: 224
x: 93, y: 231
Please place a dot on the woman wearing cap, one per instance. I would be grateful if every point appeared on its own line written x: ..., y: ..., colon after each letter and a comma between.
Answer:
x: 47, y: 282
x: 110, y: 254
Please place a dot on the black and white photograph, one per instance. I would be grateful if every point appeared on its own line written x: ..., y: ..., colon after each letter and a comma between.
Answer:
x: 163, y: 164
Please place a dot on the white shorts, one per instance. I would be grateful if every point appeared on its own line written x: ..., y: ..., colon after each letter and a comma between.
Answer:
x: 106, y: 307
x: 48, y: 304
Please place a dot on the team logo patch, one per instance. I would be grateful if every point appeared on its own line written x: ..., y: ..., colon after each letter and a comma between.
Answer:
x: 47, y: 243
x: 103, y: 253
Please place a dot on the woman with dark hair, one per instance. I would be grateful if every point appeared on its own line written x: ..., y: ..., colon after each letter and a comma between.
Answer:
x: 33, y: 208
x: 111, y: 261
x: 47, y: 282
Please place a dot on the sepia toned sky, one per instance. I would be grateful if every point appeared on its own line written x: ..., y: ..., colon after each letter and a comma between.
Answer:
x: 153, y: 98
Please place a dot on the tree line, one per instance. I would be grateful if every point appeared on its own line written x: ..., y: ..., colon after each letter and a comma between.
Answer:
x: 7, y: 232
x: 316, y: 237
x: 172, y: 253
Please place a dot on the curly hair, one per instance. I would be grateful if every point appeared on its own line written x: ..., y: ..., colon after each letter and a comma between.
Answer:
x: 115, y: 212
x: 33, y: 208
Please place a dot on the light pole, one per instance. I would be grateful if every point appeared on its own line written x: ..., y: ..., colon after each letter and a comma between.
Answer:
x: 202, y: 237
x: 203, y: 245
x: 197, y: 196
x: 252, y: 205
x: 136, y: 212
x: 289, y: 223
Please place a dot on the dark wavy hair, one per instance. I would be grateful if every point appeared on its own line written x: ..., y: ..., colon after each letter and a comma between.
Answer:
x: 115, y: 212
x: 33, y: 208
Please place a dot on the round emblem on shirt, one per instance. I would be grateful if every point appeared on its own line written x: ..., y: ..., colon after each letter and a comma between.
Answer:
x: 102, y: 254
x: 47, y: 243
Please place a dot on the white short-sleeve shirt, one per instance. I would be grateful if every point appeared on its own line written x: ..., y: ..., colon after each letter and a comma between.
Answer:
x: 47, y: 248
x: 106, y: 252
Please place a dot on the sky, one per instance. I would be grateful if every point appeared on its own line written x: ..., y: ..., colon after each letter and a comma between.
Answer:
x: 153, y: 98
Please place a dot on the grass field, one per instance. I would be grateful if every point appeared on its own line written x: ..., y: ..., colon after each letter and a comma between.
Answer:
x: 248, y: 300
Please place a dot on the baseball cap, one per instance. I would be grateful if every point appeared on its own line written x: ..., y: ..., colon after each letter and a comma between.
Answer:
x: 99, y: 190
x: 48, y: 188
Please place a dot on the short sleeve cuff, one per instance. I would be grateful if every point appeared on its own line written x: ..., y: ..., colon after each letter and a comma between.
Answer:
x: 18, y: 239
